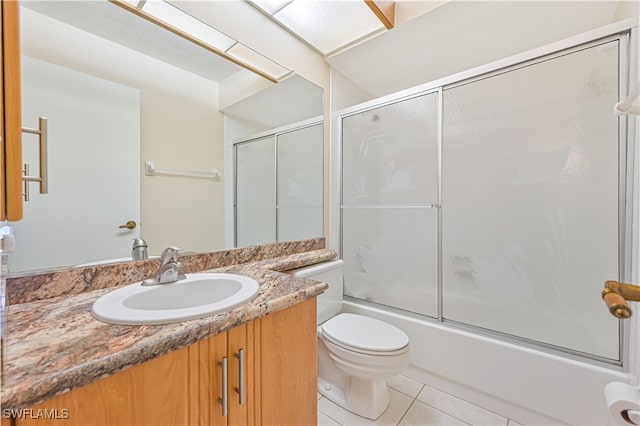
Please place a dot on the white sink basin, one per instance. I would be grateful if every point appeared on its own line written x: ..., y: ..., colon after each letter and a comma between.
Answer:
x: 197, y: 296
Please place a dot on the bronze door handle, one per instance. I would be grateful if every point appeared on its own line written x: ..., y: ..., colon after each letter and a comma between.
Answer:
x: 129, y: 225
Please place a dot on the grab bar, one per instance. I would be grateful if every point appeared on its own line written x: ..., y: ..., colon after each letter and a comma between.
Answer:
x: 44, y: 170
x: 616, y: 295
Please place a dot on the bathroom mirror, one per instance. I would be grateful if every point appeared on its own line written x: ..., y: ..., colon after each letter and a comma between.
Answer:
x: 119, y: 91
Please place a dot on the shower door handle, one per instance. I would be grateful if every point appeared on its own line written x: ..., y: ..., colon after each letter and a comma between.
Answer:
x: 616, y: 295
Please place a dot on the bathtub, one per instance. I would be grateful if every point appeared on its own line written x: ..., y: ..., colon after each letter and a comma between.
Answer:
x: 526, y: 385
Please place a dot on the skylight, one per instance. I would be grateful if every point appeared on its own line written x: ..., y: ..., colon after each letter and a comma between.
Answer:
x: 328, y: 26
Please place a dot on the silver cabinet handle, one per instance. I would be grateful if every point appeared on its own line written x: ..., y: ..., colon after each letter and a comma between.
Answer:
x: 224, y: 401
x: 240, y: 388
x: 42, y: 136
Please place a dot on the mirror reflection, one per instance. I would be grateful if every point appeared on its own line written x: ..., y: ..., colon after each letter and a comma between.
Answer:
x: 119, y: 91
x: 290, y: 204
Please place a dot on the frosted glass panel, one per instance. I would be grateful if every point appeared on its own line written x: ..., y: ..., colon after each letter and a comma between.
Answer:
x: 300, y: 157
x: 299, y: 223
x: 530, y: 201
x: 390, y: 257
x: 390, y: 154
x: 256, y: 192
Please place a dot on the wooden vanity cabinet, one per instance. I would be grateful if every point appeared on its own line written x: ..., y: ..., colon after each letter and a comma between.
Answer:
x: 153, y: 393
x: 185, y: 386
x: 280, y: 371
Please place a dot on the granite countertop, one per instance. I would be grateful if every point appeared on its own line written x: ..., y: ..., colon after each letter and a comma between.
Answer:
x: 55, y: 345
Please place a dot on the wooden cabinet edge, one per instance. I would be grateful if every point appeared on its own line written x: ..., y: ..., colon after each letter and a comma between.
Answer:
x: 3, y: 200
x: 12, y: 112
x: 289, y: 352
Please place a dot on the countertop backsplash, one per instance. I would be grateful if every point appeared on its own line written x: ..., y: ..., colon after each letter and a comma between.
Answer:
x: 39, y: 285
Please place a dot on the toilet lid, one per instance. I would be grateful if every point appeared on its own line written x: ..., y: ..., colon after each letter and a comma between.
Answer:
x: 365, y: 333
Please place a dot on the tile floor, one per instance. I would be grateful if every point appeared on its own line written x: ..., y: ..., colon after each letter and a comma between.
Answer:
x: 414, y: 403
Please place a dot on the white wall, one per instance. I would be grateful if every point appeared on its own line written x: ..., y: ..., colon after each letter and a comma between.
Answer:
x: 460, y: 35
x: 634, y: 350
x: 345, y: 92
x: 407, y: 10
x: 181, y: 134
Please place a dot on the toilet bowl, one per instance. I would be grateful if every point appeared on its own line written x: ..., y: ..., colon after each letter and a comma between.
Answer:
x: 356, y: 354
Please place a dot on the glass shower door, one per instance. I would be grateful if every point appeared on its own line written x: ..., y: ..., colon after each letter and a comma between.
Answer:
x: 389, y: 219
x: 530, y: 201
x: 279, y: 186
x: 299, y: 183
x: 256, y: 192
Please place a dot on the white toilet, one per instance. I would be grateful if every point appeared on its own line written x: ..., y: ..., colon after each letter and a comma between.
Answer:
x: 356, y: 354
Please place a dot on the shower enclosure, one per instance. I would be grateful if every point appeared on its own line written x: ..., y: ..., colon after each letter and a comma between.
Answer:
x: 278, y: 185
x: 496, y: 202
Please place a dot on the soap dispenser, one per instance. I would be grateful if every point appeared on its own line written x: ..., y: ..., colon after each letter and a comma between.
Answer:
x: 139, y: 250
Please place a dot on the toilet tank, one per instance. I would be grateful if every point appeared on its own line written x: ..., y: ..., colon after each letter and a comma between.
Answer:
x: 329, y: 302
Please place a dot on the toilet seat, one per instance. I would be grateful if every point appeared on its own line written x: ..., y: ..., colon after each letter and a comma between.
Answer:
x: 365, y: 335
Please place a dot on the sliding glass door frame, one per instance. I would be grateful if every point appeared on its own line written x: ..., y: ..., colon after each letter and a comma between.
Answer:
x: 275, y: 133
x: 626, y: 32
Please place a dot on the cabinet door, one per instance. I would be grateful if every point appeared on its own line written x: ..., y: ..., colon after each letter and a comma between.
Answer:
x: 154, y: 393
x: 236, y: 346
x: 289, y: 366
x: 10, y: 119
x: 205, y: 380
x: 241, y: 374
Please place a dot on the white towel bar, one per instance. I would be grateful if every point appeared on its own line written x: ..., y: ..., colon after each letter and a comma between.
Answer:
x: 150, y: 170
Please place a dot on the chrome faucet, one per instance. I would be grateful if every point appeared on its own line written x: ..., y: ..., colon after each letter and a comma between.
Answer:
x: 139, y: 250
x: 169, y: 271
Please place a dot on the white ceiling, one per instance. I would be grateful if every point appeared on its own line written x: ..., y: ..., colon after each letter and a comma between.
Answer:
x: 461, y: 35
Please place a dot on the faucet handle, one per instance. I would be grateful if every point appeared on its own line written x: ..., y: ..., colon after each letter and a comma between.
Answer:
x: 170, y: 254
